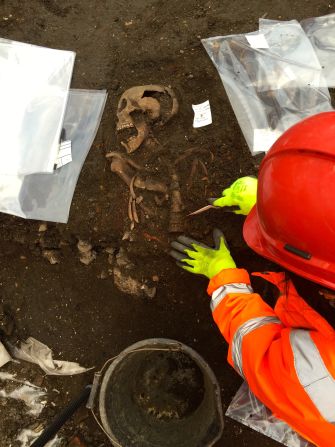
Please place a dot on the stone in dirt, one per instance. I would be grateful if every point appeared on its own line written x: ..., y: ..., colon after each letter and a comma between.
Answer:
x: 86, y: 252
x: 53, y: 256
x: 131, y: 286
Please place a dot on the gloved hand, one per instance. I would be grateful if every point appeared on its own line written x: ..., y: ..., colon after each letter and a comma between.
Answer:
x: 198, y: 258
x: 242, y: 193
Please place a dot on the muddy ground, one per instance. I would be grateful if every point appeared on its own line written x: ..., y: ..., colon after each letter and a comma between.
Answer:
x: 74, y: 308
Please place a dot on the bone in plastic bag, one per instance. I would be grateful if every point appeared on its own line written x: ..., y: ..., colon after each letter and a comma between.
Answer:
x: 248, y: 410
x: 49, y: 196
x: 269, y: 93
x: 290, y: 45
x: 321, y: 32
x: 34, y: 87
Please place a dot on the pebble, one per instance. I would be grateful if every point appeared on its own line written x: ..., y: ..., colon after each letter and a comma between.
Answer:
x: 52, y: 256
x: 87, y: 257
x: 43, y: 227
x: 84, y: 246
x: 110, y: 250
x: 149, y: 291
x: 103, y: 275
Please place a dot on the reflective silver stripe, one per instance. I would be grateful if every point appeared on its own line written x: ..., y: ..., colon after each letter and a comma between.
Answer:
x: 313, y: 374
x: 223, y: 291
x: 242, y: 331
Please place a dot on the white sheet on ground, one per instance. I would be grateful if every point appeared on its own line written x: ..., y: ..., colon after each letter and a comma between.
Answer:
x: 34, y: 351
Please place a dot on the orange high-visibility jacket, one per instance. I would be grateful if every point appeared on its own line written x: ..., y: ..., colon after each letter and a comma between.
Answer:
x: 286, y: 354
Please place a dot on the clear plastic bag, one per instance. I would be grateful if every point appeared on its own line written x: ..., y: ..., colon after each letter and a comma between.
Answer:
x: 34, y: 86
x: 269, y: 92
x: 321, y: 32
x: 248, y: 410
x: 289, y: 43
x: 283, y: 57
x: 49, y: 196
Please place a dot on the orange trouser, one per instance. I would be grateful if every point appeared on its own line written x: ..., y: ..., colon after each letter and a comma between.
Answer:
x: 287, y: 355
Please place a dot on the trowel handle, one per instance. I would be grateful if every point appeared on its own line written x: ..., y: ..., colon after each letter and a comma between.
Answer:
x: 51, y: 431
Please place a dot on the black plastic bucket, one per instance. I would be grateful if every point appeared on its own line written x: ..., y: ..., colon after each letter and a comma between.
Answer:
x: 160, y: 393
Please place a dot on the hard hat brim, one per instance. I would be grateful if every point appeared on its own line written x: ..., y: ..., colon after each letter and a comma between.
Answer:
x: 308, y: 269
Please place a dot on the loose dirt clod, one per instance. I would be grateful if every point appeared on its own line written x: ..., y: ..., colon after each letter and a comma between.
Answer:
x: 130, y: 285
x: 53, y: 256
x: 125, y: 283
x: 84, y: 246
x: 149, y: 291
x: 87, y: 254
x: 110, y: 250
x: 43, y: 227
x: 122, y: 260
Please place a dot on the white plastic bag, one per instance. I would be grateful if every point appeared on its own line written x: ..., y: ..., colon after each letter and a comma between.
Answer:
x: 49, y: 196
x: 248, y: 410
x: 270, y: 89
x: 321, y: 32
x: 34, y: 86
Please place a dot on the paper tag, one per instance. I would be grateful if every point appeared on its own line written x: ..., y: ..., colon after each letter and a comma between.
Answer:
x: 202, y: 114
x: 257, y: 41
x: 64, y: 154
x: 264, y: 139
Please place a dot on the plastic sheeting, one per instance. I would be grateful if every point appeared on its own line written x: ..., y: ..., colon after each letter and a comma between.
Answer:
x: 34, y: 87
x: 34, y: 351
x: 49, y: 196
x: 291, y: 56
x: 321, y: 32
x: 273, y: 80
x: 248, y: 410
x: 4, y: 356
x: 27, y: 436
x: 33, y: 396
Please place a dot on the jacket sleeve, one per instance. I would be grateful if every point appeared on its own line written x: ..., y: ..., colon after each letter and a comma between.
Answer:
x: 242, y: 316
x: 290, y: 370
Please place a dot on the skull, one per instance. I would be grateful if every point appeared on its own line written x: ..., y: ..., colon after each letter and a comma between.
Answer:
x: 138, y: 108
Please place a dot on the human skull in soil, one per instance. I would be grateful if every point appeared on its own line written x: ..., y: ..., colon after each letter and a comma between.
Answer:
x: 141, y: 106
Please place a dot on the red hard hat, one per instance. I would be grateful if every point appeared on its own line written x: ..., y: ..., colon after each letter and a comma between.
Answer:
x: 293, y: 222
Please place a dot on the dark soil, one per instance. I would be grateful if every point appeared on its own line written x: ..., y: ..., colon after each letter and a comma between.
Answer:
x: 68, y: 306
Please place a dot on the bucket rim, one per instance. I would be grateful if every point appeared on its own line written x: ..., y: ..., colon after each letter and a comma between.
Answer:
x: 171, y: 344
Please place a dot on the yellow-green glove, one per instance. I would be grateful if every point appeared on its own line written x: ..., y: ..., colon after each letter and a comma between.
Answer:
x: 242, y: 193
x: 198, y: 258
